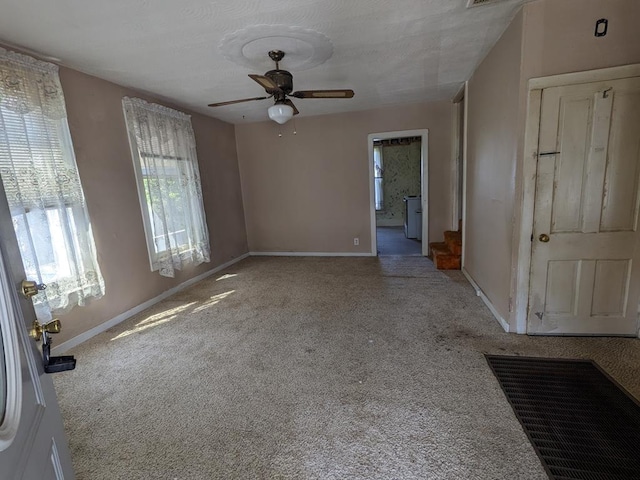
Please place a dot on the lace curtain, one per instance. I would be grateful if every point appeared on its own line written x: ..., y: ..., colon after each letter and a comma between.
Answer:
x: 42, y: 186
x: 163, y: 148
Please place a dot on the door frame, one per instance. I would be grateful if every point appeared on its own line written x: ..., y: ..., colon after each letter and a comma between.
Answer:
x: 529, y: 171
x: 458, y: 109
x: 424, y: 182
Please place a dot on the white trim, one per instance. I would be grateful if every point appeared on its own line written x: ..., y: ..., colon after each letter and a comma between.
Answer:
x: 372, y: 198
x: 9, y: 319
x: 529, y: 169
x: 532, y: 125
x: 456, y: 153
x: 54, y: 456
x: 424, y: 183
x: 389, y: 222
x: 503, y: 323
x: 590, y: 76
x: 311, y: 254
x: 455, y: 158
x: 83, y: 337
x: 464, y: 171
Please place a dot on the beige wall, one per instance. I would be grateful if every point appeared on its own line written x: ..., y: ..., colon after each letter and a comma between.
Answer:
x: 104, y: 161
x: 547, y: 37
x: 492, y: 144
x: 309, y: 192
x: 558, y: 36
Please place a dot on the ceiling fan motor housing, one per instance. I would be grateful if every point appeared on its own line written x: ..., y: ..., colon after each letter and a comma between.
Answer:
x: 282, y: 78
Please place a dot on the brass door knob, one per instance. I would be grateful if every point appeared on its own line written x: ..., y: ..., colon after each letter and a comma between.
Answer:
x: 29, y: 288
x: 544, y: 238
x: 36, y: 330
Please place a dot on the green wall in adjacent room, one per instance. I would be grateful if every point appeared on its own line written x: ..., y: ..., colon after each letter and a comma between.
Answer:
x: 401, y: 178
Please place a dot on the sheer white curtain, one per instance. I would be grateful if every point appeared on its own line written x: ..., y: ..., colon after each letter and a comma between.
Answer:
x: 42, y: 185
x: 378, y: 174
x: 163, y: 149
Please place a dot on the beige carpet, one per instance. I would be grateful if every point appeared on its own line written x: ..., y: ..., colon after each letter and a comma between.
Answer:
x: 310, y: 368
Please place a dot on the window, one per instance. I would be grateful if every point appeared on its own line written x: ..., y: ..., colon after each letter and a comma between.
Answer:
x: 378, y: 172
x: 166, y: 166
x: 42, y: 186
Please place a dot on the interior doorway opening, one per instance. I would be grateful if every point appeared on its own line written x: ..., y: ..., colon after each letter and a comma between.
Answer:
x: 398, y: 167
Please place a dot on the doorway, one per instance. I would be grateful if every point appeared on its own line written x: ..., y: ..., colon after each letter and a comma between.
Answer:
x: 398, y: 167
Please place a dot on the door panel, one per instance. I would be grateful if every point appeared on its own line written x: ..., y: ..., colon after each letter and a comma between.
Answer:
x: 585, y: 278
x: 562, y: 287
x: 574, y: 120
x: 620, y: 205
x: 610, y: 285
x: 37, y: 448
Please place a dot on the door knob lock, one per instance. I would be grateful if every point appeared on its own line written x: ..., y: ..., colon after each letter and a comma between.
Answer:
x: 29, y: 288
x: 543, y: 238
x: 51, y: 364
x: 37, y: 329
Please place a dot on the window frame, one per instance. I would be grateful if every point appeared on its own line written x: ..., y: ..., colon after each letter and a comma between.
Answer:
x: 138, y: 157
x: 145, y: 208
x: 182, y: 248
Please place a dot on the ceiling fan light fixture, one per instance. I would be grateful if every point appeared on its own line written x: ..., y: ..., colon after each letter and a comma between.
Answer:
x: 280, y: 113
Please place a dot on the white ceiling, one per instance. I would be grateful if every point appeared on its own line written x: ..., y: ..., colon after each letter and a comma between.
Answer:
x: 389, y: 52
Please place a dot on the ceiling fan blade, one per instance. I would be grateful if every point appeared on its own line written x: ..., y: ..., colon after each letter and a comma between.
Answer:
x: 323, y: 94
x: 290, y: 103
x: 231, y: 102
x: 266, y: 83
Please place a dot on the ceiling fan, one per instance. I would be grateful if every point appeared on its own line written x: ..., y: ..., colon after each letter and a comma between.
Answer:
x: 279, y: 85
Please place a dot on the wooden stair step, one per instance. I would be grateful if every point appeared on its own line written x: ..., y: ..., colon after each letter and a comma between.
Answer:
x: 453, y: 241
x: 439, y: 246
x: 443, y: 258
x: 447, y: 261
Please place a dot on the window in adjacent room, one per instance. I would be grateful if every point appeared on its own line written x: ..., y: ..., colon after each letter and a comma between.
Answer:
x: 164, y: 157
x: 378, y: 173
x: 42, y: 186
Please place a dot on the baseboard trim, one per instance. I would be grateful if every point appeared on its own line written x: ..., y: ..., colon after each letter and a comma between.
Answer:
x: 311, y: 254
x: 391, y: 223
x: 83, y: 337
x: 503, y: 323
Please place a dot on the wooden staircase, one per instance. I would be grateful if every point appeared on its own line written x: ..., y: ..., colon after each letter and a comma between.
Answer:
x: 447, y: 255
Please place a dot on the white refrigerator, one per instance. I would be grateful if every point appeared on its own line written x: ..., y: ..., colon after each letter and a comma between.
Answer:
x: 413, y: 217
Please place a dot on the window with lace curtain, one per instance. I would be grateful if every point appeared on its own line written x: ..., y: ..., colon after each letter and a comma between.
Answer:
x: 42, y: 186
x: 164, y: 156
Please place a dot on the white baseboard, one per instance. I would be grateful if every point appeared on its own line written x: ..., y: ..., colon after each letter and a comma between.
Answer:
x: 83, y: 337
x: 311, y: 254
x: 389, y: 223
x: 503, y: 323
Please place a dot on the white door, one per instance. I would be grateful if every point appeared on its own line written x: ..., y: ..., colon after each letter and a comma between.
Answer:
x: 585, y: 264
x: 33, y: 445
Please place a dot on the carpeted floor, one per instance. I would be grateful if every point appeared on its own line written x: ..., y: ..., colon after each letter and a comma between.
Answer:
x: 311, y: 368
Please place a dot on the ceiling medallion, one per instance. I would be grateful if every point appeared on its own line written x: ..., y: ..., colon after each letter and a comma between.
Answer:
x: 305, y: 48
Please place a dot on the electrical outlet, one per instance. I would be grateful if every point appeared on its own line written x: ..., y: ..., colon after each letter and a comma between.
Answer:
x: 356, y: 241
